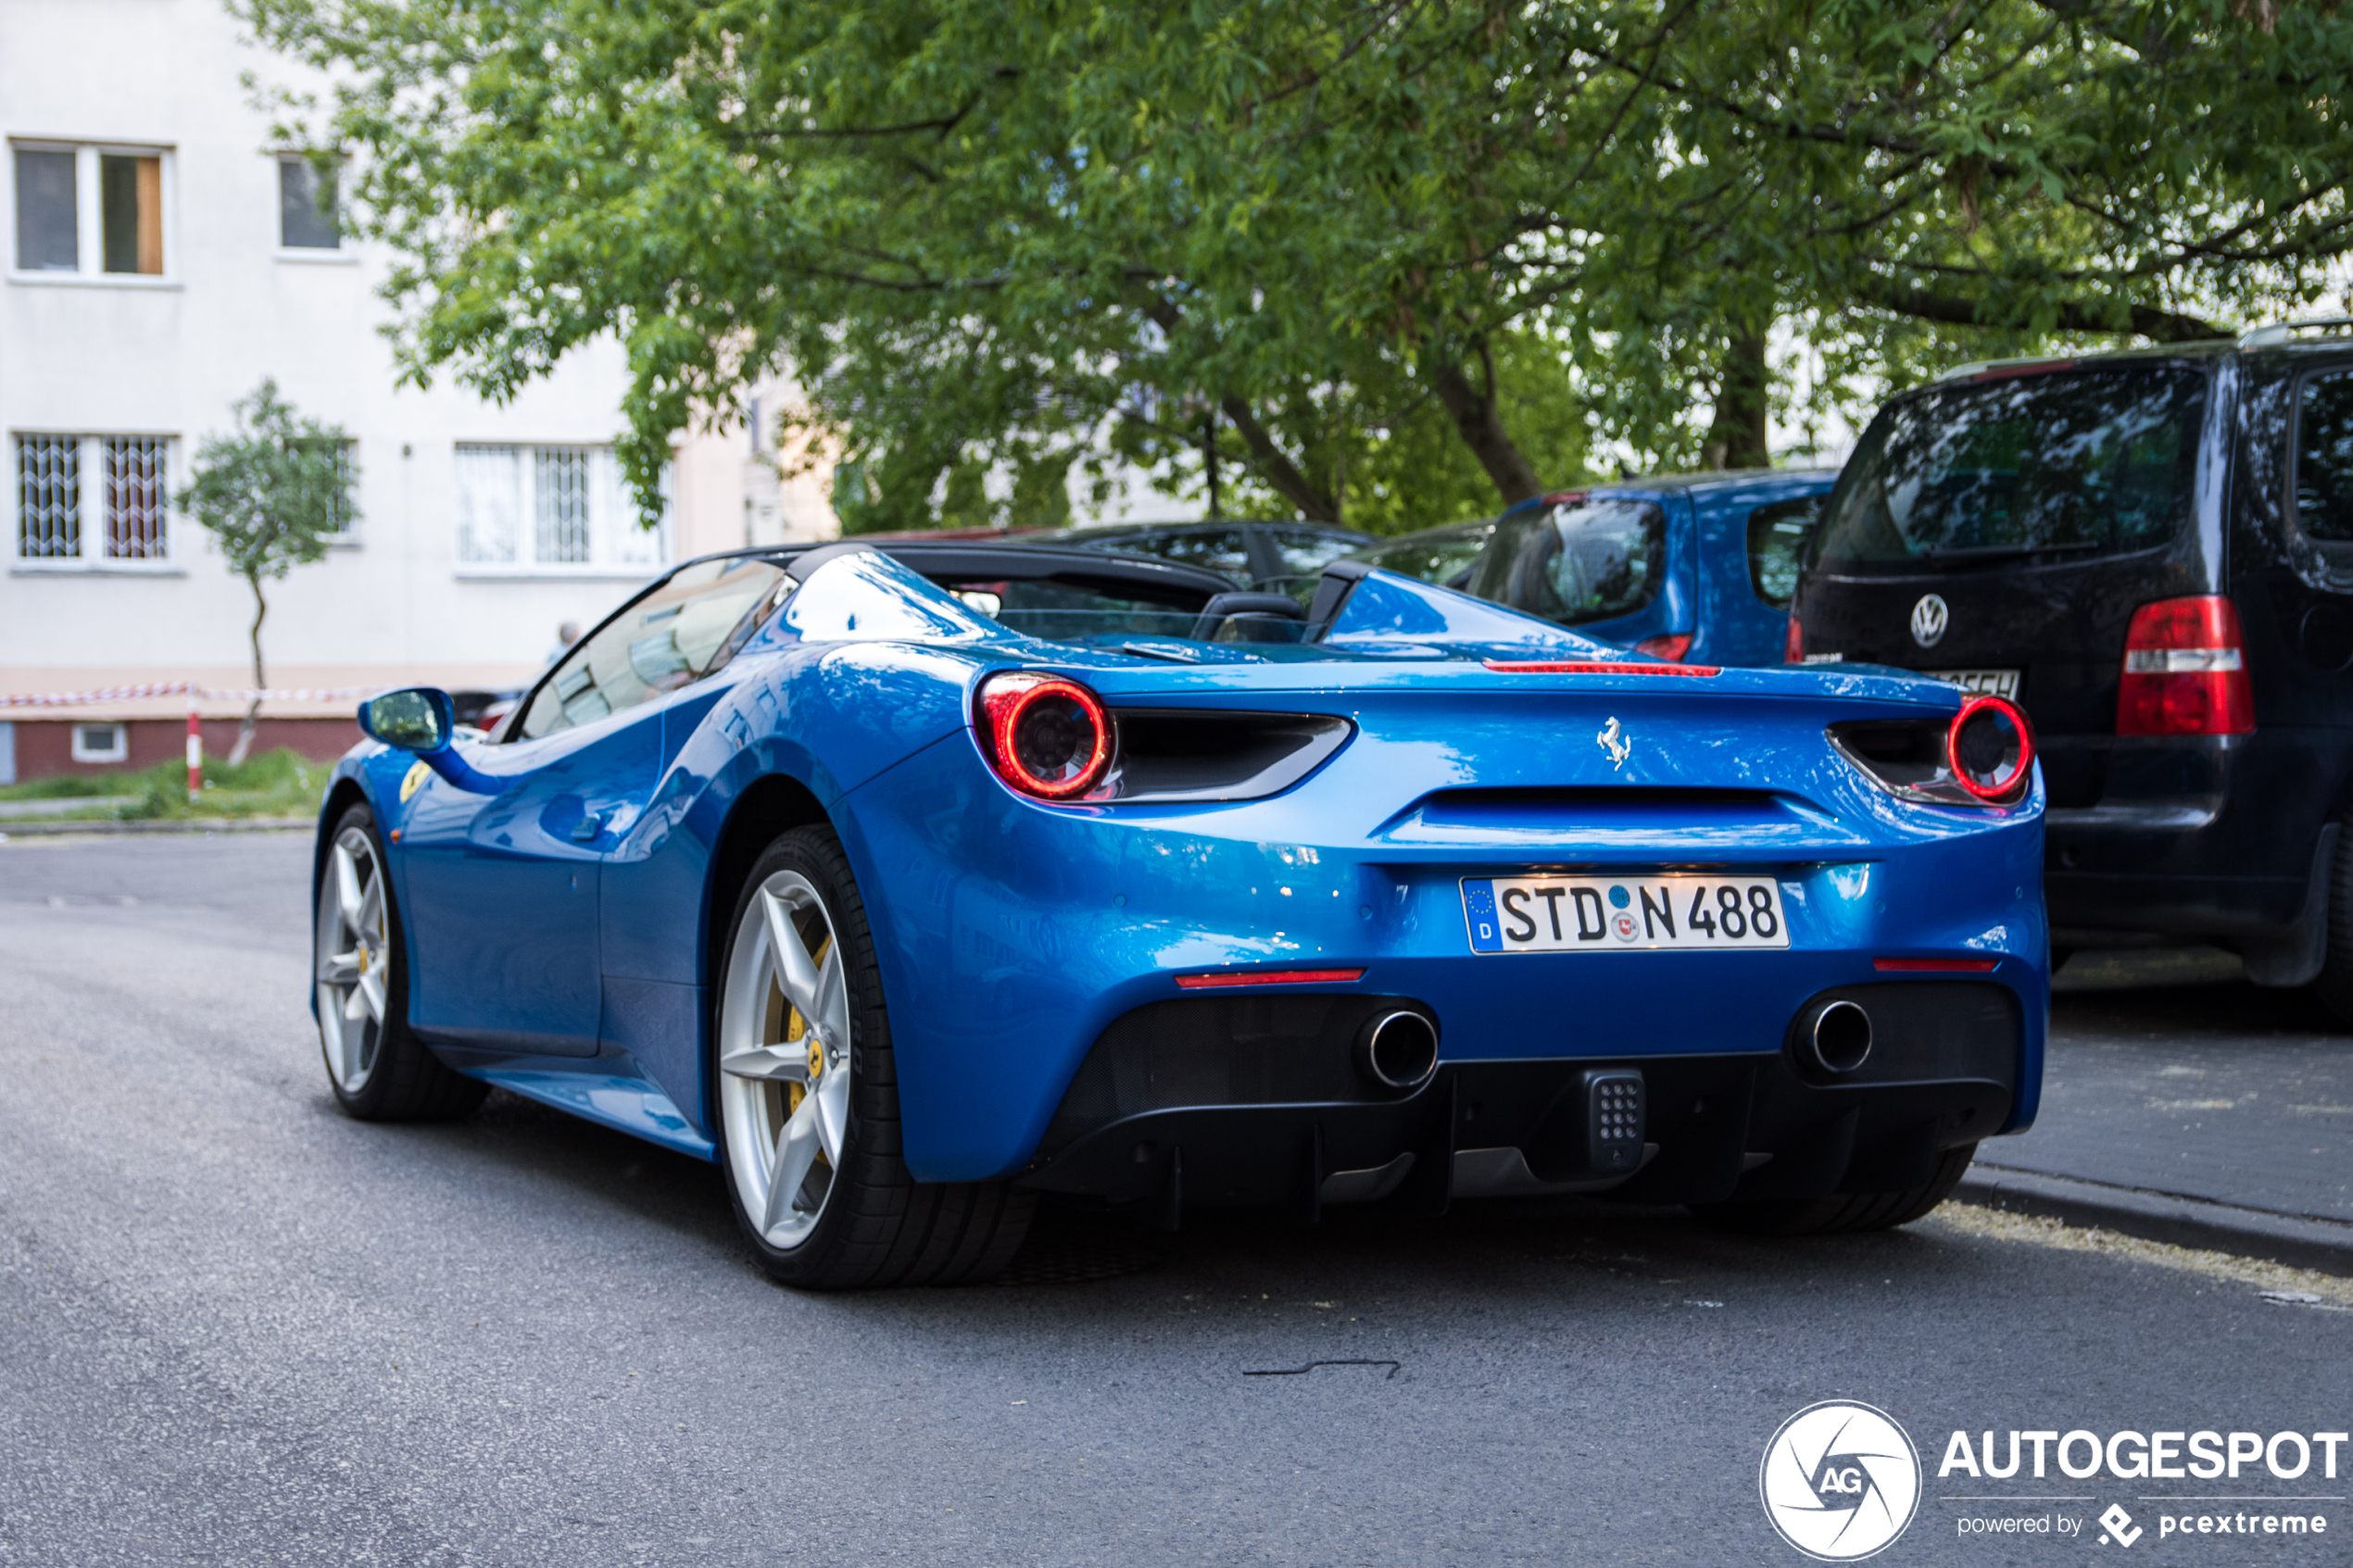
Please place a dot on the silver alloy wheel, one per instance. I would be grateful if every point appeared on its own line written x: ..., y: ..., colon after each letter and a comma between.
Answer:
x: 783, y: 1058
x: 354, y: 956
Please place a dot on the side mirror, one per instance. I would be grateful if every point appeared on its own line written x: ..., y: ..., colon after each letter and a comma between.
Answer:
x: 417, y: 719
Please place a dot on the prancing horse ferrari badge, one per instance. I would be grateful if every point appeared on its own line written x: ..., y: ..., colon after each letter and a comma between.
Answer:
x: 1612, y: 740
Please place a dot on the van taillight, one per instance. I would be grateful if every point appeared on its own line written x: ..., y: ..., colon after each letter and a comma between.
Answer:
x: 1794, y: 645
x: 1670, y: 647
x: 2185, y: 670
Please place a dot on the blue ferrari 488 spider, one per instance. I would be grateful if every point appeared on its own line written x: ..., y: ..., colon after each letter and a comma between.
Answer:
x: 914, y: 884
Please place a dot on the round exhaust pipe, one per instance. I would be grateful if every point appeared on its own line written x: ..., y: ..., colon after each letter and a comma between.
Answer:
x: 1833, y: 1037
x: 1397, y: 1050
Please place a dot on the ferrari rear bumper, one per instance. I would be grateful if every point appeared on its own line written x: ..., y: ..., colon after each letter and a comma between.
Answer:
x: 1202, y: 1104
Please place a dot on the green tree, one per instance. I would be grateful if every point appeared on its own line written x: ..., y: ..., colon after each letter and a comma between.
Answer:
x: 270, y: 496
x: 1028, y: 234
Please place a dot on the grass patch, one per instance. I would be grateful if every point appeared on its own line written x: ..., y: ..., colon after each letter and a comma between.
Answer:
x: 276, y: 784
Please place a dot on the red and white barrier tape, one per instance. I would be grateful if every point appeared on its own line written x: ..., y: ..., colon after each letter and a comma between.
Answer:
x: 178, y: 688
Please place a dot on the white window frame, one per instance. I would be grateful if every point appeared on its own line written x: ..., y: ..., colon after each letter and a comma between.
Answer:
x: 92, y: 508
x: 340, y: 255
x: 611, y: 511
x: 119, y: 752
x: 89, y: 226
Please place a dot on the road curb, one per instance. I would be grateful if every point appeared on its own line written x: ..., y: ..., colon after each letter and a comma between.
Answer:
x: 2198, y: 1223
x: 191, y: 825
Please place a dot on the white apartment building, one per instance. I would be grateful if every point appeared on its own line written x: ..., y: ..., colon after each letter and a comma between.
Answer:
x: 163, y: 256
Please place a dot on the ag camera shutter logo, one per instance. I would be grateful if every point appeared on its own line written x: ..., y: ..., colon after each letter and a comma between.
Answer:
x: 1840, y: 1481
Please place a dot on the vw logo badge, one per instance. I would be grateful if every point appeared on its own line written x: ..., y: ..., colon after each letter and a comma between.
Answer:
x: 1840, y: 1481
x: 1929, y: 618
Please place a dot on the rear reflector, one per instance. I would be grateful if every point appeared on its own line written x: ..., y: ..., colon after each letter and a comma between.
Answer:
x: 1670, y: 647
x: 1598, y: 667
x: 1270, y: 977
x: 2185, y: 670
x: 1794, y: 643
x: 1935, y: 966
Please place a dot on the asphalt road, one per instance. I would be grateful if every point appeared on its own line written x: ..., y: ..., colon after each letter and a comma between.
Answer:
x: 238, y: 1328
x: 2171, y: 1074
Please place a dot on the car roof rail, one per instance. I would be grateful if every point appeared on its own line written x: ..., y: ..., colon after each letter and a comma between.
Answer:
x: 2278, y: 333
x: 2023, y: 365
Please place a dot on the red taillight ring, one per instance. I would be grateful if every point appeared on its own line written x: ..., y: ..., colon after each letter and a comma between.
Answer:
x: 2025, y: 747
x: 1004, y: 699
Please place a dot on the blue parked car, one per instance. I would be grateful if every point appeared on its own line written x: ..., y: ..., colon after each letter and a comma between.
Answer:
x: 1698, y: 567
x: 907, y: 885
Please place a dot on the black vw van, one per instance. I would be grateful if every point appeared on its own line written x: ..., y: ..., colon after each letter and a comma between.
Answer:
x: 2152, y: 552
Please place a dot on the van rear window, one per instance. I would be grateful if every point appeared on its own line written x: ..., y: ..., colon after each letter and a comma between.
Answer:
x: 1575, y: 562
x: 2044, y: 468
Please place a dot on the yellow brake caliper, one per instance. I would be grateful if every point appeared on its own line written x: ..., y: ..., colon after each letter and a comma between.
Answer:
x: 796, y: 1028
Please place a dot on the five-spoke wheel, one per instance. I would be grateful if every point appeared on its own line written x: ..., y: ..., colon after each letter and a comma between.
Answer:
x: 808, y: 1097
x: 355, y: 957
x: 785, y: 1060
x: 379, y: 1071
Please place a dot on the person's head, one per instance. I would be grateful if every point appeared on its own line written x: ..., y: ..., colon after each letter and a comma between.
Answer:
x: 568, y: 633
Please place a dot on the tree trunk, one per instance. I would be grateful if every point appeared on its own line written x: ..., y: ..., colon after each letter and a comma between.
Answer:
x: 1736, y: 439
x: 253, y: 709
x: 1313, y: 504
x: 1209, y: 460
x: 1482, y: 428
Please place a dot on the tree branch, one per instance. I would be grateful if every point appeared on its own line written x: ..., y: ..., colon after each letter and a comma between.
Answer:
x: 2147, y: 320
x: 1313, y: 504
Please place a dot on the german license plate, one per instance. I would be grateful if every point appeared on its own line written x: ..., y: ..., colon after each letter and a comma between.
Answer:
x: 1607, y: 914
x: 1987, y: 683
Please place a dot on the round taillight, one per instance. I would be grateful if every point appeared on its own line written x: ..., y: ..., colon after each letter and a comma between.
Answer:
x: 1990, y: 747
x: 1045, y: 735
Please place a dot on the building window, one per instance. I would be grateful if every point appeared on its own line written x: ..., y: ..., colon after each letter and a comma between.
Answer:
x: 550, y: 508
x: 310, y: 216
x: 48, y: 213
x: 60, y: 189
x: 345, y: 509
x: 49, y: 497
x: 131, y: 209
x: 101, y: 743
x: 563, y: 493
x: 134, y: 497
x: 121, y: 484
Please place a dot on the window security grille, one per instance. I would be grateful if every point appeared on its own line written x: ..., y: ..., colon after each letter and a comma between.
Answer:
x: 563, y: 504
x: 560, y: 506
x: 48, y: 497
x: 135, y: 497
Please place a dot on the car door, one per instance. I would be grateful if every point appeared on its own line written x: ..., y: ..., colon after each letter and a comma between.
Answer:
x: 504, y: 888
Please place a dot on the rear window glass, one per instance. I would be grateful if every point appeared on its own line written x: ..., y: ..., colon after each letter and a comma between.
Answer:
x: 2058, y: 465
x: 1587, y: 560
x: 2324, y: 458
x: 1304, y: 551
x: 1433, y: 558
x: 1777, y: 536
x: 1219, y: 550
x: 1071, y: 612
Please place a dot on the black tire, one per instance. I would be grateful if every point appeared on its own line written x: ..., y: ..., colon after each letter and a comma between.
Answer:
x: 1839, y: 1213
x: 2334, y: 984
x: 875, y: 1225
x: 397, y: 1078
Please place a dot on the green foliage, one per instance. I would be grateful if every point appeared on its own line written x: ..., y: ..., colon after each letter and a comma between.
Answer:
x: 1026, y: 236
x: 276, y: 784
x: 272, y: 494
